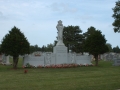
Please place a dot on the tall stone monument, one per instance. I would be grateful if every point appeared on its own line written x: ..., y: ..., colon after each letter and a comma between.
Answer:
x: 60, y: 50
x: 60, y: 54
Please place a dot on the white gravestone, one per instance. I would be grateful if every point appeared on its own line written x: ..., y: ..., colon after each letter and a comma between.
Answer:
x: 5, y: 60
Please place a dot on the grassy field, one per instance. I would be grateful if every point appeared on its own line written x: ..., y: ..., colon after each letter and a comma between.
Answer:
x: 103, y: 77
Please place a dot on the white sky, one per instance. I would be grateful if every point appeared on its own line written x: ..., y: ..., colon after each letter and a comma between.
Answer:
x: 37, y: 19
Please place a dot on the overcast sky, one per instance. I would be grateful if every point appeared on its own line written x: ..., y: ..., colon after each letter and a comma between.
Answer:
x: 37, y: 19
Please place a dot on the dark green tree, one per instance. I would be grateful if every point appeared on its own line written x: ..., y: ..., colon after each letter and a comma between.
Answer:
x: 109, y: 47
x: 55, y: 42
x: 95, y: 44
x: 90, y: 31
x: 43, y: 49
x: 116, y: 16
x: 72, y: 38
x: 15, y: 43
x: 116, y: 49
x: 32, y: 49
x: 49, y: 47
x: 37, y: 48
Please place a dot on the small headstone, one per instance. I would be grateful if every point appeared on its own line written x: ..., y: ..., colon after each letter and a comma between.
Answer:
x: 116, y: 62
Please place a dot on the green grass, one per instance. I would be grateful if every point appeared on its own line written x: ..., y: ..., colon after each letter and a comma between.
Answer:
x: 103, y: 77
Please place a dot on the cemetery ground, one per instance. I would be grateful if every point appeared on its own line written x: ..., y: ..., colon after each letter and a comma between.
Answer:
x: 103, y: 77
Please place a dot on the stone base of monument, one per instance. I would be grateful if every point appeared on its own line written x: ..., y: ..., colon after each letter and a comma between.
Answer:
x: 61, y: 55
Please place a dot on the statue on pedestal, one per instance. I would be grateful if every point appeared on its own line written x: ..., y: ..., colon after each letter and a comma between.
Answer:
x: 60, y: 32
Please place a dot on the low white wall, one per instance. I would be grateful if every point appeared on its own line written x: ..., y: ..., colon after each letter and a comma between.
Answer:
x: 34, y: 60
x: 50, y: 59
x: 83, y: 59
x: 61, y: 58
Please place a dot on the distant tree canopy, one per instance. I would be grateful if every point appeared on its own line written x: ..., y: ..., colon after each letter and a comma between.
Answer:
x: 95, y: 44
x: 90, y: 31
x: 48, y: 48
x: 72, y: 38
x: 15, y: 43
x: 109, y: 47
x: 116, y: 49
x: 116, y: 16
x: 34, y: 48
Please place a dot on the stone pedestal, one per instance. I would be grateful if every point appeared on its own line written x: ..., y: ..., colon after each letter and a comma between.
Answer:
x: 60, y: 43
x: 61, y: 55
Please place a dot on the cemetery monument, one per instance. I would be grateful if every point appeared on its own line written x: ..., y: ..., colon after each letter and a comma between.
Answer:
x: 59, y: 56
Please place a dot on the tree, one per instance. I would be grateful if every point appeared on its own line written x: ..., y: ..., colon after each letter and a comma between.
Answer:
x: 32, y: 49
x: 90, y: 31
x: 116, y: 49
x: 95, y: 44
x: 72, y: 38
x: 116, y: 16
x: 109, y: 47
x: 43, y: 49
x: 37, y: 48
x: 55, y: 42
x: 49, y: 47
x: 15, y: 43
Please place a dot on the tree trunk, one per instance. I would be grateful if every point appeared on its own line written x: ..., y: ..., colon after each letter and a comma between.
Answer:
x: 96, y: 60
x: 15, y: 61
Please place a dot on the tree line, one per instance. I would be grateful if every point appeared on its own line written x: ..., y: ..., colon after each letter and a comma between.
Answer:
x: 49, y: 48
x: 74, y: 39
x: 15, y: 43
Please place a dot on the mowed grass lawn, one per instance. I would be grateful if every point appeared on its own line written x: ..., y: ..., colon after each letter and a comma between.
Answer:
x: 103, y: 77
